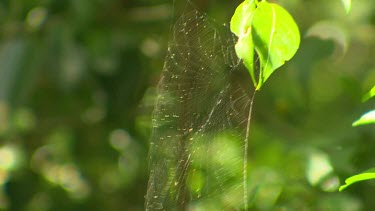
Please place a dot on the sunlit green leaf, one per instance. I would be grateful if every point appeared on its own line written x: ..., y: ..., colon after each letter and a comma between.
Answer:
x: 269, y: 30
x: 241, y: 19
x: 276, y: 38
x: 367, y: 118
x: 347, y: 4
x: 369, y: 94
x: 245, y: 51
x: 241, y: 26
x: 367, y: 175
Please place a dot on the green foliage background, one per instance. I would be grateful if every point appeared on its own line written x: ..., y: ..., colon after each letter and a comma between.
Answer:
x: 77, y: 86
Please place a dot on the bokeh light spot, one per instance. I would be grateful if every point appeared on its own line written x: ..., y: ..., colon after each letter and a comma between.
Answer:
x: 119, y: 139
x: 36, y: 17
x: 318, y: 167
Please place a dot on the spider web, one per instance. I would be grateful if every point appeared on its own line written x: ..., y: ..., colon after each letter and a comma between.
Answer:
x: 198, y: 152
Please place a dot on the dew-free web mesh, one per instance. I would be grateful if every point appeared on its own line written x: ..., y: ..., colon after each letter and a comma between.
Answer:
x: 197, y: 151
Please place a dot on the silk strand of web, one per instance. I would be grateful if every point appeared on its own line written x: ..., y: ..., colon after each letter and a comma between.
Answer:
x: 245, y: 160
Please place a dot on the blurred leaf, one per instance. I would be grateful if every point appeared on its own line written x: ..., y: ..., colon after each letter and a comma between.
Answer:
x: 12, y: 55
x: 347, y: 4
x: 367, y: 175
x: 319, y: 167
x: 367, y: 118
x: 369, y: 94
x: 330, y: 30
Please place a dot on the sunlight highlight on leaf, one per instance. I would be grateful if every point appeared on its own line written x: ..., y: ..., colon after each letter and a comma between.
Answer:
x: 347, y: 4
x: 367, y: 175
x: 369, y: 95
x: 367, y: 118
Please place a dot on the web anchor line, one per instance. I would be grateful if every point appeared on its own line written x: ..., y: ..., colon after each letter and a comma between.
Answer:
x: 245, y: 160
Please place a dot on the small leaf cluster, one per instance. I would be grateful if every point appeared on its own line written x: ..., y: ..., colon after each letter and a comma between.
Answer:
x: 365, y: 119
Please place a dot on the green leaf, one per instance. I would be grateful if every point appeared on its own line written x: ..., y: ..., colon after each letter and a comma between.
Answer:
x: 367, y: 118
x: 367, y: 175
x: 369, y: 95
x: 241, y: 19
x: 267, y: 29
x: 347, y: 4
x: 276, y: 38
x: 241, y: 26
x: 245, y: 51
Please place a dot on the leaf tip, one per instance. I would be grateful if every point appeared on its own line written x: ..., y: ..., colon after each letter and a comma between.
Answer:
x: 342, y: 187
